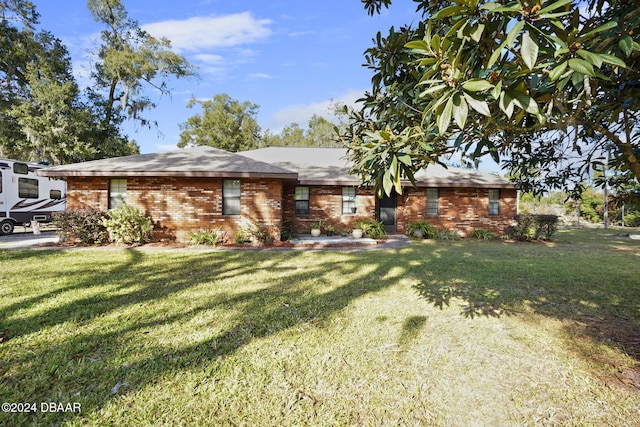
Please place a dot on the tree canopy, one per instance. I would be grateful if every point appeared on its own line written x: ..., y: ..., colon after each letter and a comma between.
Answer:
x: 547, y: 87
x: 224, y: 123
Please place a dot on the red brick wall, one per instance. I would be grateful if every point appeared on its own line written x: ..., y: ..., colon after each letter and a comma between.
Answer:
x: 180, y: 205
x: 325, y: 204
x: 463, y: 209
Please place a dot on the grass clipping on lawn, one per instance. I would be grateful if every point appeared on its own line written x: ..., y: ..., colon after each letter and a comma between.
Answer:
x: 439, y: 333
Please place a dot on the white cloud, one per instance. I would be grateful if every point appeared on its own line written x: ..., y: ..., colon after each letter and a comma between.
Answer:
x: 301, y: 113
x: 200, y: 33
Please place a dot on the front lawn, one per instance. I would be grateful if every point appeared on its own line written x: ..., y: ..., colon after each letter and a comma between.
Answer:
x: 438, y: 333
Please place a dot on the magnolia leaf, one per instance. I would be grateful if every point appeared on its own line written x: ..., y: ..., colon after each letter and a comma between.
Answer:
x: 613, y: 60
x: 506, y: 104
x: 405, y: 158
x: 529, y: 50
x: 554, y: 6
x: 508, y: 41
x: 604, y: 27
x: 626, y: 45
x: 581, y: 66
x: 445, y: 117
x: 460, y: 110
x: 476, y: 85
x: 478, y: 104
x: 590, y: 57
x: 448, y: 11
x: 417, y: 45
x: 476, y: 35
x: 558, y: 71
x: 387, y: 183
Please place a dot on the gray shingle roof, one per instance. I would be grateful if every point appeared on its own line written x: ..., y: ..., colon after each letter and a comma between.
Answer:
x: 310, y: 166
x: 195, y: 161
x: 328, y: 166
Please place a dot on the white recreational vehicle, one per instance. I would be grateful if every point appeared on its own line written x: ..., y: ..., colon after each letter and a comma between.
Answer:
x: 26, y: 197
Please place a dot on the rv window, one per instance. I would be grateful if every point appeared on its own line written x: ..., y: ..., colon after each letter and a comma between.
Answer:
x: 20, y: 168
x: 55, y: 194
x: 28, y: 188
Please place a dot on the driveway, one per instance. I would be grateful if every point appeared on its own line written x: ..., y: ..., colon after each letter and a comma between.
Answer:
x: 25, y: 240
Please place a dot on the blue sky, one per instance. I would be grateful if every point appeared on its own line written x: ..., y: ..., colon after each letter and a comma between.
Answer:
x: 291, y: 57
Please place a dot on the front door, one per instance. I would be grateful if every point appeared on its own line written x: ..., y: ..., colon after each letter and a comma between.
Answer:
x: 387, y: 212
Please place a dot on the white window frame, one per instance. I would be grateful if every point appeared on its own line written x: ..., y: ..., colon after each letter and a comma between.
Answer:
x: 231, y: 197
x: 349, y: 200
x: 433, y: 201
x: 494, y: 201
x: 117, y: 192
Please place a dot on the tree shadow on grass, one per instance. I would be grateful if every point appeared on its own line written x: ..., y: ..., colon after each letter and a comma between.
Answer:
x: 83, y: 364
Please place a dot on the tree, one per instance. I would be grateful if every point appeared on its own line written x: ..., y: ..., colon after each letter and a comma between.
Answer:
x: 128, y: 58
x: 320, y: 132
x: 547, y: 86
x: 224, y: 123
x: 42, y: 110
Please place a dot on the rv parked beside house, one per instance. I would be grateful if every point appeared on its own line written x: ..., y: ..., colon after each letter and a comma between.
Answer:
x: 207, y: 188
x: 27, y: 197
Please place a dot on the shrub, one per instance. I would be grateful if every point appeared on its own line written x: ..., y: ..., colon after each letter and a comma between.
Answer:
x: 128, y: 225
x: 422, y: 229
x: 448, y: 234
x: 84, y: 226
x: 258, y: 234
x: 212, y: 237
x: 632, y: 219
x: 483, y: 234
x: 533, y: 227
x: 371, y: 228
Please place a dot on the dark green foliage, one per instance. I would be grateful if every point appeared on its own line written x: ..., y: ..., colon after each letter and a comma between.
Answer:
x: 448, y: 234
x: 128, y: 225
x: 632, y: 219
x: 534, y: 227
x: 483, y: 234
x: 423, y: 230
x: 212, y: 237
x: 82, y: 226
x: 371, y: 228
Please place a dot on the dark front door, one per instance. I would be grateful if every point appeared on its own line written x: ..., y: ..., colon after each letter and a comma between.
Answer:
x: 387, y: 212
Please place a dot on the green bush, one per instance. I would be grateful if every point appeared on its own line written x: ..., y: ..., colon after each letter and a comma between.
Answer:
x: 448, y: 234
x: 371, y: 228
x: 422, y: 230
x: 128, y: 225
x: 84, y: 226
x: 632, y: 219
x: 212, y: 237
x: 533, y: 227
x: 483, y: 234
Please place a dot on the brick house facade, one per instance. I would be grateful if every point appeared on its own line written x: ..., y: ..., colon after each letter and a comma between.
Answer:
x: 204, y: 188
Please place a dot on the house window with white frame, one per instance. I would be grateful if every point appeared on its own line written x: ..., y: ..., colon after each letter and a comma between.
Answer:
x: 433, y: 201
x: 302, y: 200
x: 117, y: 192
x: 231, y: 197
x: 494, y: 202
x: 348, y: 200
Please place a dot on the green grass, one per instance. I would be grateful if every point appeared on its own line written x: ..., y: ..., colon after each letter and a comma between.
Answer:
x: 439, y: 333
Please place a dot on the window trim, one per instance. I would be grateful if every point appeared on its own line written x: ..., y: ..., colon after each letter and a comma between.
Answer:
x: 349, y: 201
x: 299, y: 198
x: 493, y: 203
x: 429, y: 212
x: 226, y: 197
x: 117, y: 196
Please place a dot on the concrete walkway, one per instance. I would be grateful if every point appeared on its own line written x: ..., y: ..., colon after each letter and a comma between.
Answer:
x: 47, y: 239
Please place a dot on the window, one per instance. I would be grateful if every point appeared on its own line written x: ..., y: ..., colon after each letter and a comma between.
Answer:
x: 231, y: 197
x: 117, y: 193
x: 494, y: 202
x: 302, y: 200
x: 0, y: 181
x: 28, y: 188
x: 348, y: 200
x: 20, y: 168
x: 433, y: 201
x: 55, y: 194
